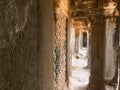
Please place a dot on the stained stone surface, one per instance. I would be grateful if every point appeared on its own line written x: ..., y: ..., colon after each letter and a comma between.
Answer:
x: 21, y: 55
x: 60, y: 44
x: 27, y: 45
x: 19, y: 61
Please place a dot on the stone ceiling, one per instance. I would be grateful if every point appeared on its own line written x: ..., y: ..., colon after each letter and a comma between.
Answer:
x: 82, y: 8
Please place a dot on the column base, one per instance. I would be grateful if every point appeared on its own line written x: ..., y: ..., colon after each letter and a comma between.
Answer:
x: 96, y: 86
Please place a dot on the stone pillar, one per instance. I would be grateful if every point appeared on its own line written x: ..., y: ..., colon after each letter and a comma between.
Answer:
x: 87, y: 43
x: 111, y: 63
x: 111, y: 59
x: 77, y: 35
x: 89, y: 49
x: 80, y: 39
x: 98, y: 52
x: 79, y: 42
x: 60, y: 41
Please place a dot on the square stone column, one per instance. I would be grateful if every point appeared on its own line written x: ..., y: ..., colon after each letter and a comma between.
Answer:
x: 97, y: 53
x: 112, y: 42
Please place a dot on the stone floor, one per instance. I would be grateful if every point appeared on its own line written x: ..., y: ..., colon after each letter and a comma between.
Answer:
x: 79, y: 78
x: 80, y: 73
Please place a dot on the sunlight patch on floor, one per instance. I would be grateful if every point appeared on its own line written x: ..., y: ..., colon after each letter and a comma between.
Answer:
x: 80, y: 73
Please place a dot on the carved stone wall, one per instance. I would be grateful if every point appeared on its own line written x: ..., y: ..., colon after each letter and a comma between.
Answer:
x: 60, y: 45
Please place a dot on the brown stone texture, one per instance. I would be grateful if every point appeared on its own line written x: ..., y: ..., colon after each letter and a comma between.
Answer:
x: 19, y: 50
x: 46, y: 55
x: 60, y: 46
x: 98, y: 54
x: 26, y: 50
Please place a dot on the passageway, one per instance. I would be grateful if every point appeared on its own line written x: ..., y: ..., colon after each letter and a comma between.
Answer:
x: 42, y: 44
x: 80, y: 72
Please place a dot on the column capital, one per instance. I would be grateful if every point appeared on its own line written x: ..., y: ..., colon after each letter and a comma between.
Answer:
x: 110, y: 9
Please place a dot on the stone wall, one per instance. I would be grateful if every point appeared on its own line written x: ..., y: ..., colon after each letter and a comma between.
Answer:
x: 32, y: 49
x: 26, y: 45
x: 46, y: 23
x: 19, y: 45
x: 60, y: 43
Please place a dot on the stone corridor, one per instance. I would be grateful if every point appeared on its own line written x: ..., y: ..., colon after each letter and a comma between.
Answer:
x: 39, y: 40
x: 80, y: 72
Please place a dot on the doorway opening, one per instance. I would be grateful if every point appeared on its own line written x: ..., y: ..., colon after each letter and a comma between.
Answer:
x: 78, y: 38
x: 85, y: 40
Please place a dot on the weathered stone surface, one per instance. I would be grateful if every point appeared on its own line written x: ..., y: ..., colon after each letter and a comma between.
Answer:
x: 46, y: 55
x: 60, y: 44
x: 97, y: 54
x: 111, y: 62
x: 26, y: 53
x: 19, y: 52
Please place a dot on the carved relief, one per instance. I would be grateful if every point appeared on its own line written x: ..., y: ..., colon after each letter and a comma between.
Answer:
x: 110, y: 9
